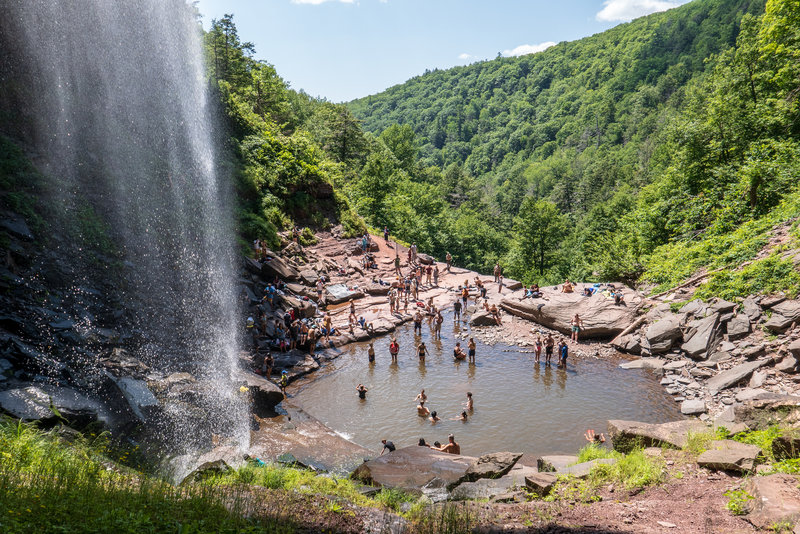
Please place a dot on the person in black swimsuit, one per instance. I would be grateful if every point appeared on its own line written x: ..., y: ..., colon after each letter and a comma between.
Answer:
x: 362, y: 391
x: 422, y: 351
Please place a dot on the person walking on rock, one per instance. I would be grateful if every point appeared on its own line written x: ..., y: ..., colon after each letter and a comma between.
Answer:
x: 496, y: 272
x: 577, y: 326
x: 449, y: 259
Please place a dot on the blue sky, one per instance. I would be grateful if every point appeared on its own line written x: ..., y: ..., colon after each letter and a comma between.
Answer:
x: 345, y: 49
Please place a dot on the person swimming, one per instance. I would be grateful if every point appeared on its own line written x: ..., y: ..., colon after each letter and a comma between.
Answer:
x: 422, y: 411
x: 434, y: 418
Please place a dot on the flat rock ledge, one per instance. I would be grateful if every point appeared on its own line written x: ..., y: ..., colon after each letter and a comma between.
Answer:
x: 775, y: 500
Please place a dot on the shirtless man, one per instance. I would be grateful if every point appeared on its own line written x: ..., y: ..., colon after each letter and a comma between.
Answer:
x: 449, y: 259
x: 452, y: 447
x: 577, y: 326
x: 549, y: 343
x: 437, y: 325
x: 469, y: 405
x: 418, y: 322
x: 371, y: 352
x: 471, y: 350
x: 458, y: 352
x: 421, y: 396
x: 422, y: 411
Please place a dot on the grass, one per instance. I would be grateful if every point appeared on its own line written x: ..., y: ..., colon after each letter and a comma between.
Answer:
x: 46, y: 486
x: 62, y: 481
x: 737, y: 501
x: 631, y: 471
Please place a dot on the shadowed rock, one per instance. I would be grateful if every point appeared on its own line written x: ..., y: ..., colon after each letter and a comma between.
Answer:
x: 706, y: 336
x: 540, y: 483
x: 493, y: 465
x: 783, y: 315
x: 627, y: 435
x: 601, y: 317
x: 662, y: 335
x: 729, y: 455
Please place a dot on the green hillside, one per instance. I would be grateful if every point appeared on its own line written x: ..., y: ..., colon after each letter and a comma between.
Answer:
x: 587, y: 158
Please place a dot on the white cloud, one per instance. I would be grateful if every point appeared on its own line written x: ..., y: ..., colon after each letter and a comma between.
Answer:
x: 318, y: 2
x: 625, y: 10
x: 522, y: 50
x: 465, y: 56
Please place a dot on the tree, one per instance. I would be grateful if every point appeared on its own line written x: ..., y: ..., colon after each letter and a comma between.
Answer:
x: 538, y: 230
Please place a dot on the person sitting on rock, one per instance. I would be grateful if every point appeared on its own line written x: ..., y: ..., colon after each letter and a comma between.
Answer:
x: 365, y: 325
x: 567, y: 287
x: 496, y: 314
x: 619, y: 298
x: 458, y: 352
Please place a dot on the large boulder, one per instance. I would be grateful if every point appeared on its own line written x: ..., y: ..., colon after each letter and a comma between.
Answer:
x: 733, y: 376
x: 425, y: 259
x: 493, y: 465
x: 483, y: 318
x: 706, y: 336
x: 306, y: 308
x: 775, y: 500
x: 662, y: 334
x: 540, y: 483
x: 276, y: 266
x: 601, y: 317
x: 264, y: 393
x: 751, y: 309
x: 49, y: 404
x: 784, y: 315
x: 729, y: 455
x: 412, y: 468
x: 628, y: 435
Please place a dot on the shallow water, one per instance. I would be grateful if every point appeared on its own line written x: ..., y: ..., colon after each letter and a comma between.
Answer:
x: 519, y: 405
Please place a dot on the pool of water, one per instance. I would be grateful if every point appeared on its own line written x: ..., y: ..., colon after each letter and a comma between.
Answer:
x: 519, y: 405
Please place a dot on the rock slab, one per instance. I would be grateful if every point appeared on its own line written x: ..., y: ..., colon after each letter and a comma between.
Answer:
x: 412, y: 468
x: 775, y: 500
x: 729, y: 455
x: 733, y: 376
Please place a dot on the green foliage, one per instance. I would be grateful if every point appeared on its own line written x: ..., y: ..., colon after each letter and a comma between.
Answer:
x: 737, y: 501
x: 761, y: 438
x: 50, y: 485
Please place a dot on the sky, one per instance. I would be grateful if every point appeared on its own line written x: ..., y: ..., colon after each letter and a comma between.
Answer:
x: 346, y: 49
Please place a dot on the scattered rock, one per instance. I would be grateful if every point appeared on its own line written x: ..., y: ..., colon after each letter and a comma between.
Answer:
x: 750, y: 394
x: 643, y: 363
x: 733, y: 376
x: 776, y: 500
x: 425, y: 259
x: 783, y: 315
x: 540, y: 483
x: 738, y: 327
x: 787, y: 365
x: 693, y: 407
x: 729, y: 455
x: 662, y: 334
x: 751, y: 309
x: 705, y: 337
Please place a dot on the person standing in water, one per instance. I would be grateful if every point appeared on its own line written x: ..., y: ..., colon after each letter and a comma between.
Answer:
x: 437, y: 325
x: 417, y: 322
x: 394, y: 349
x: 469, y: 405
x: 422, y: 351
x: 458, y: 352
x: 471, y: 350
x: 456, y: 310
x: 538, y: 348
x: 421, y: 396
x: 563, y: 352
x: 549, y: 343
x: 371, y: 352
x: 362, y: 391
x: 422, y: 411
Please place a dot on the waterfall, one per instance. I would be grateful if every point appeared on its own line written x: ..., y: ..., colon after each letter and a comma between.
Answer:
x: 118, y: 107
